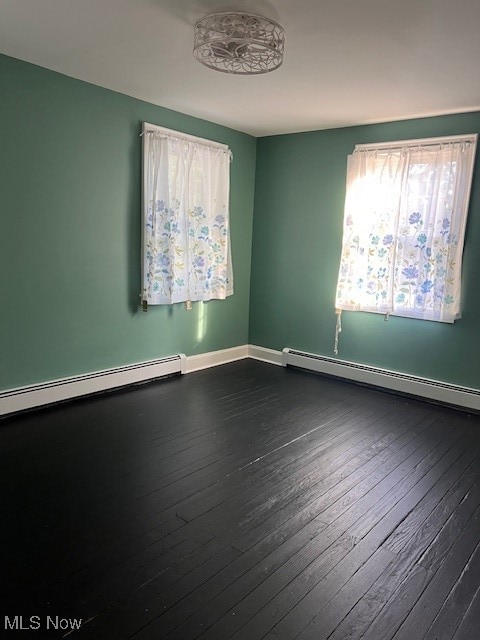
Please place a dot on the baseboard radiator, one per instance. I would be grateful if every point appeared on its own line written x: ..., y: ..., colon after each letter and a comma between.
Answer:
x: 434, y: 390
x: 36, y: 395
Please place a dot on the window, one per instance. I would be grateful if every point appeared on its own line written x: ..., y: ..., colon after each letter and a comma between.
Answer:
x: 186, y: 239
x: 404, y: 224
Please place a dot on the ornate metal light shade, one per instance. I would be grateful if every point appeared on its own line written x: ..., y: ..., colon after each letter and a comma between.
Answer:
x: 238, y: 42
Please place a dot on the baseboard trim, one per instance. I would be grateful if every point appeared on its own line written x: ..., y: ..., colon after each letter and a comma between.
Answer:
x: 54, y: 391
x: 265, y: 355
x: 215, y: 358
x: 423, y: 388
x: 63, y: 389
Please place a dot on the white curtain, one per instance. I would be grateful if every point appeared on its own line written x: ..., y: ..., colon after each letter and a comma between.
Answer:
x: 186, y: 221
x: 403, y: 233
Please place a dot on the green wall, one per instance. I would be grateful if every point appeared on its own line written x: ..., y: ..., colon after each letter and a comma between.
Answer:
x: 70, y: 159
x: 70, y: 162
x: 299, y: 198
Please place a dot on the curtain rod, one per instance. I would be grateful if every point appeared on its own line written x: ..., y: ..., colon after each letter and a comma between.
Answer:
x: 470, y: 138
x: 171, y: 133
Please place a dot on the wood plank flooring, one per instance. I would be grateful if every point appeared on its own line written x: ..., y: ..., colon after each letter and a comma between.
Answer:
x: 246, y: 501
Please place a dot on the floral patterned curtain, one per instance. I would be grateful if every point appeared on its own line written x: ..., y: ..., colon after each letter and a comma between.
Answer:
x: 186, y: 221
x: 403, y: 233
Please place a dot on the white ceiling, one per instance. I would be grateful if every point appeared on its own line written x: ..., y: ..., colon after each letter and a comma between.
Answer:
x: 346, y: 61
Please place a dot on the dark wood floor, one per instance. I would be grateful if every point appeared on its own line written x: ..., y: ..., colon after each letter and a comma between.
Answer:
x: 247, y: 501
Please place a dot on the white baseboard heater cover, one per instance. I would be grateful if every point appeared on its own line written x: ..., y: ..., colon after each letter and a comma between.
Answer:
x: 438, y: 391
x: 37, y: 395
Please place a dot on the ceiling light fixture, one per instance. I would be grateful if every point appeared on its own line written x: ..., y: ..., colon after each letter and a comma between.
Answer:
x: 239, y: 43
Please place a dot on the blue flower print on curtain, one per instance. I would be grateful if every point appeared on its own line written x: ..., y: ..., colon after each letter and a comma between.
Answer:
x: 404, y: 225
x: 186, y: 231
